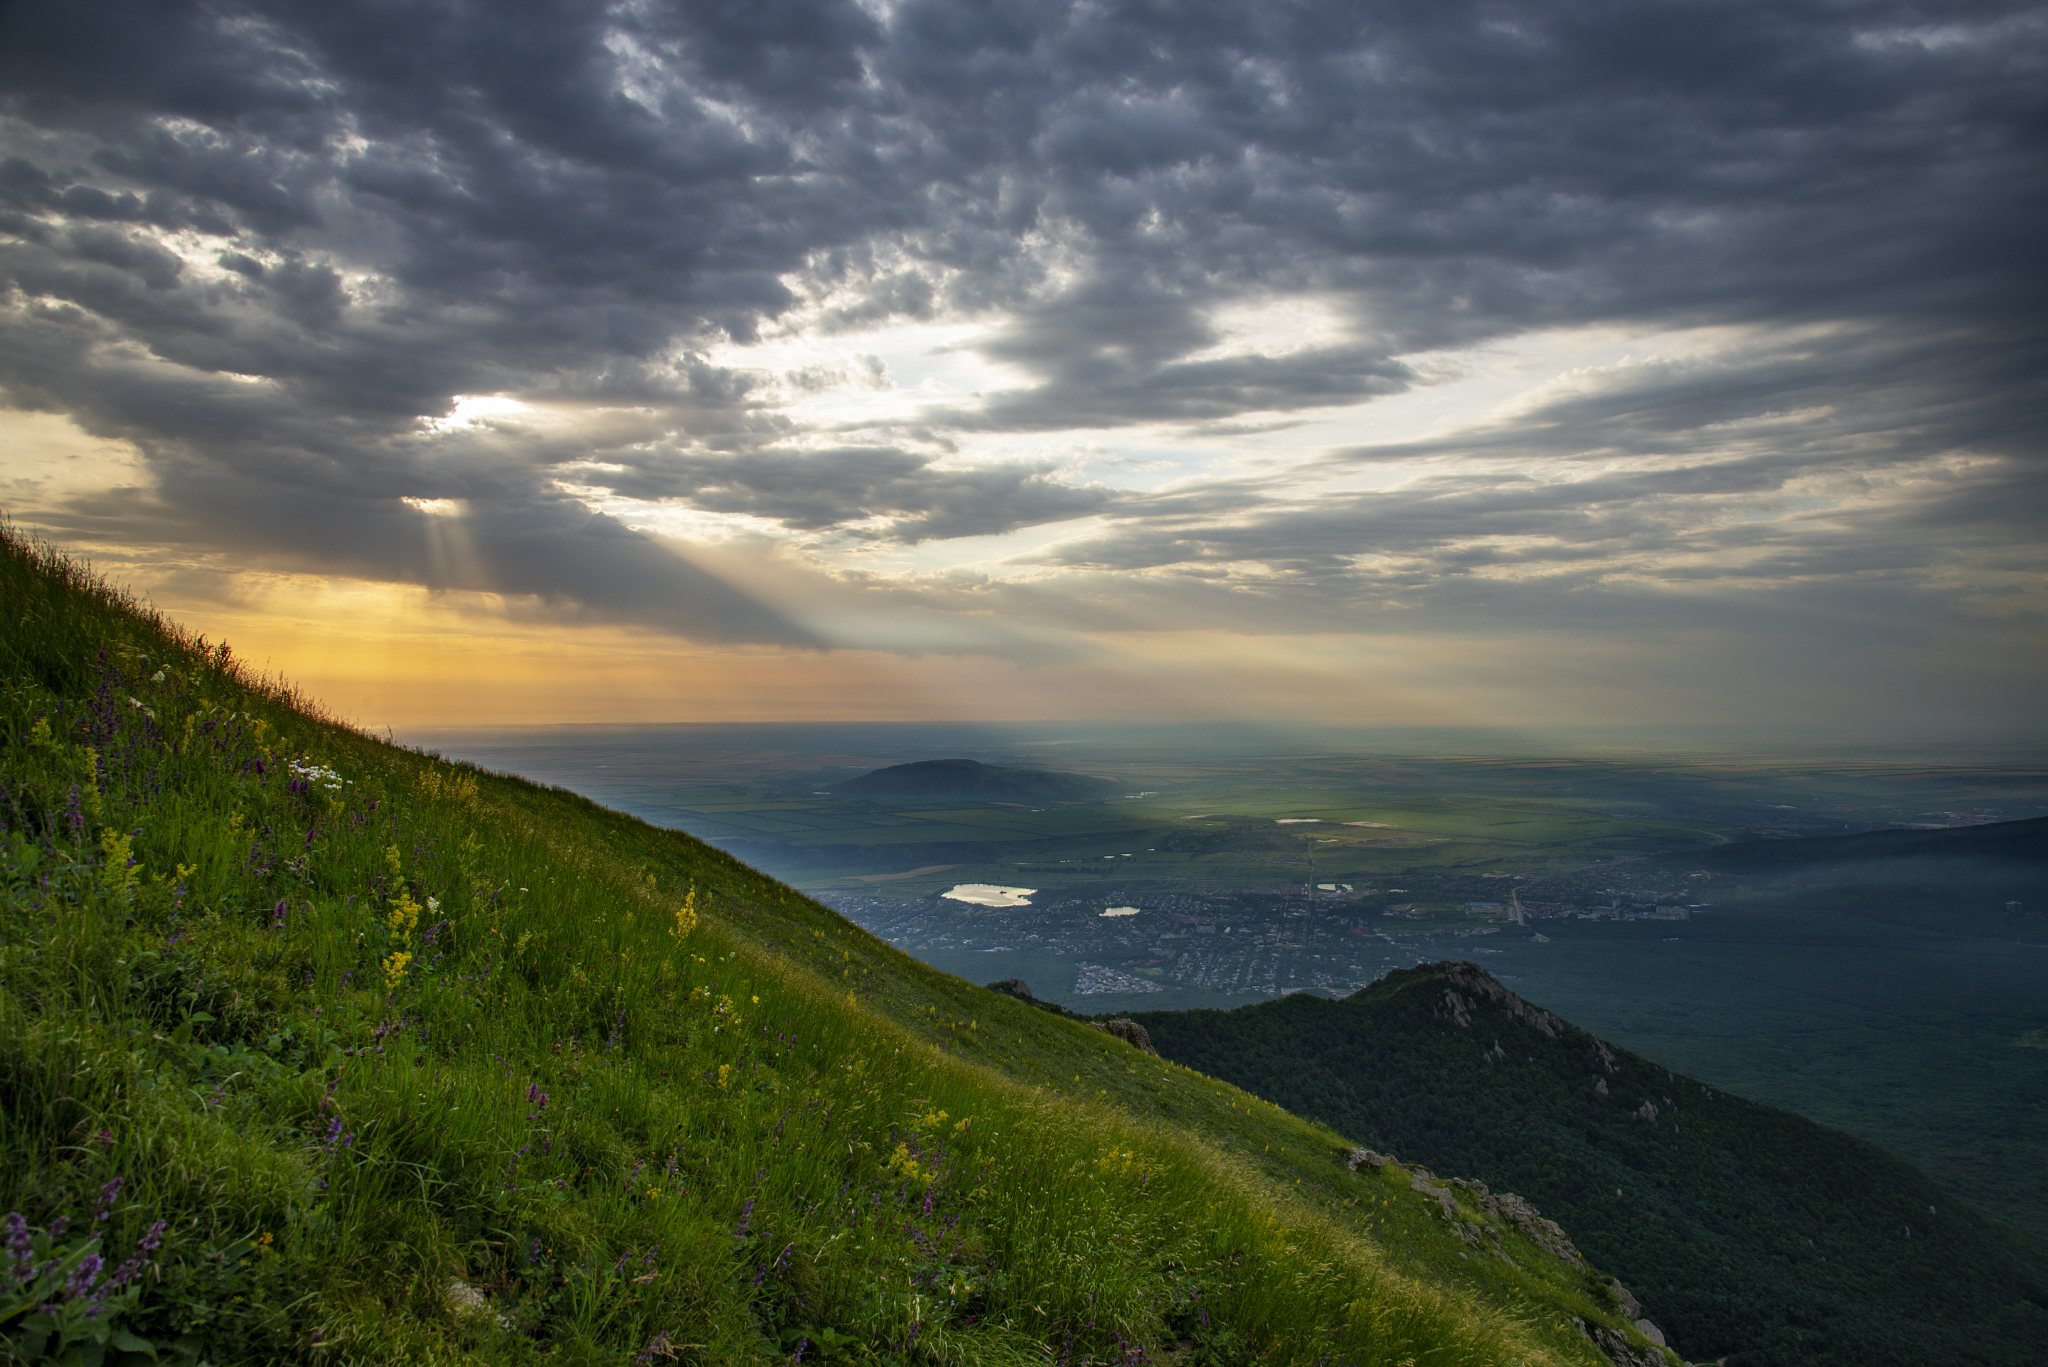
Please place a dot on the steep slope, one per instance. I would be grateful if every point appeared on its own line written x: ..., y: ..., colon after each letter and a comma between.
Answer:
x: 967, y: 780
x: 315, y: 1049
x: 1746, y: 1231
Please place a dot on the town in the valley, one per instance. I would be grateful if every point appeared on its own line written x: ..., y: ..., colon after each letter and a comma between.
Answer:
x: 1261, y: 941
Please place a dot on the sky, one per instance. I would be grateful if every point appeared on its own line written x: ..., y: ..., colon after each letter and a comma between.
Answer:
x: 1520, y: 365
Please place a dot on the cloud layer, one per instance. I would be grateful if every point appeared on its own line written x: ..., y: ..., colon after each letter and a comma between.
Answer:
x: 860, y: 282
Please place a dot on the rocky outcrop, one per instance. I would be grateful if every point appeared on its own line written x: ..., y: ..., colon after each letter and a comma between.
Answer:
x: 1510, y: 1210
x: 1015, y: 987
x: 1130, y: 1032
x: 1469, y: 985
x: 1425, y: 1181
x: 1366, y: 1158
x: 1505, y: 1207
x: 1615, y: 1344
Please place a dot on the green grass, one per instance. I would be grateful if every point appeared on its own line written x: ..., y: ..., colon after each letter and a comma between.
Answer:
x: 305, y: 1018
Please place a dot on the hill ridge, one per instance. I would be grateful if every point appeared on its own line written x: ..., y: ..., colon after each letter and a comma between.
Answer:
x: 1746, y: 1231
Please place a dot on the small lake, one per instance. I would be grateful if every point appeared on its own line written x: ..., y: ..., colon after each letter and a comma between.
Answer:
x: 990, y: 895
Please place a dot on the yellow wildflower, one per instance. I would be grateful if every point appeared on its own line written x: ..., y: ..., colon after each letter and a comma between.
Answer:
x: 405, y: 913
x: 903, y: 1164
x: 117, y: 874
x: 91, y: 794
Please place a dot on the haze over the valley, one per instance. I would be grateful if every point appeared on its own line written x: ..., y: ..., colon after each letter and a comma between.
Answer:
x: 1533, y: 367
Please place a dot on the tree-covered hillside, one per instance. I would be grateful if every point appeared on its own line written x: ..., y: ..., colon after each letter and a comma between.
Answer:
x: 315, y: 1049
x: 1746, y: 1231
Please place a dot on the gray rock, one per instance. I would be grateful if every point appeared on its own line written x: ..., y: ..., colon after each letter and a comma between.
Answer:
x: 1650, y: 1332
x: 1130, y: 1032
x: 466, y: 1302
x: 1547, y: 1235
x: 1478, y: 985
x: 1422, y: 1182
x: 1366, y: 1158
x: 1619, y: 1350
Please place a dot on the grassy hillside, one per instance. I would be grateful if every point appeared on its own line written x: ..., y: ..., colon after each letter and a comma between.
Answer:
x: 1745, y: 1230
x: 315, y: 1049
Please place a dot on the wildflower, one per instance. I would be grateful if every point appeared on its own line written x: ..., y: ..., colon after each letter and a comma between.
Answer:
x: 394, y: 967
x: 902, y: 1163
x: 118, y: 870
x: 724, y: 1075
x: 404, y: 913
x: 686, y: 914
x: 21, y: 1248
x: 92, y: 781
x: 105, y: 1208
x: 81, y: 1280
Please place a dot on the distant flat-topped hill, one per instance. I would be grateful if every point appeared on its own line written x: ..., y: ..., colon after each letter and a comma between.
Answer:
x: 967, y: 780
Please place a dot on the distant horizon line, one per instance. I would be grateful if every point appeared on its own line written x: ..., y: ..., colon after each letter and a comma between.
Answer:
x: 1718, y: 738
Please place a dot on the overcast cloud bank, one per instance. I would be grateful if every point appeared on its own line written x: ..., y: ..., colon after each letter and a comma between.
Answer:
x: 1556, y: 321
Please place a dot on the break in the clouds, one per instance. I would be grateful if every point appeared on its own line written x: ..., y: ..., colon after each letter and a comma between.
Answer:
x: 1576, y: 318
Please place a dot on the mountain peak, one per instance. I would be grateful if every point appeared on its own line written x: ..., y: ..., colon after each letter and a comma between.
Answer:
x: 1466, y: 985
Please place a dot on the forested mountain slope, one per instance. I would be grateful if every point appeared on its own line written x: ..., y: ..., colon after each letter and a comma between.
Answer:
x: 1745, y: 1230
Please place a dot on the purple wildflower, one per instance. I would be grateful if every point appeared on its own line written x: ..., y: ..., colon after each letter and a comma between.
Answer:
x: 21, y: 1248
x: 130, y: 1270
x: 87, y: 1272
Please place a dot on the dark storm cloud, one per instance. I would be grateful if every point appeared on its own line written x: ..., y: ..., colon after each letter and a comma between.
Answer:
x: 816, y: 490
x: 263, y: 241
